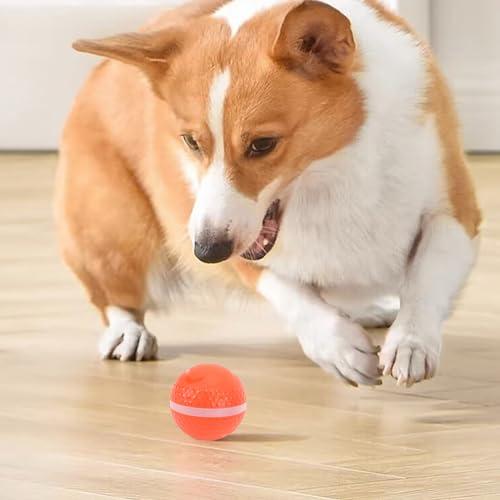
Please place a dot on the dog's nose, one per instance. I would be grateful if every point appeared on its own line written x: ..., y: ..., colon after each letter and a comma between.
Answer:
x: 213, y: 251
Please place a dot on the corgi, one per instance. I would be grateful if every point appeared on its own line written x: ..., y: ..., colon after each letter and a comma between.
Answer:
x: 306, y: 151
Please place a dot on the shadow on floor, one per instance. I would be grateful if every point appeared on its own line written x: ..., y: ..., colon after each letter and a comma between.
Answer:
x: 263, y: 437
x: 287, y: 350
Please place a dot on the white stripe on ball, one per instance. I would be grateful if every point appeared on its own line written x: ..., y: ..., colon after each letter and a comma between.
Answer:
x: 208, y: 412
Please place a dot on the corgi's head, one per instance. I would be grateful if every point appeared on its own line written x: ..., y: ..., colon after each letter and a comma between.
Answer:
x: 255, y: 91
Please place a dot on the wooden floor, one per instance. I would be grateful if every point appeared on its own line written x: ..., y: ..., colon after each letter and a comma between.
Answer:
x: 72, y: 427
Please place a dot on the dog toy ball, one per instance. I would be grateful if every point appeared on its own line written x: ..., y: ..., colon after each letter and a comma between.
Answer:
x: 208, y: 402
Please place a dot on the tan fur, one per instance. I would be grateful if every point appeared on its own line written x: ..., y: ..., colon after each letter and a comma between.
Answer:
x: 106, y: 256
x: 461, y: 192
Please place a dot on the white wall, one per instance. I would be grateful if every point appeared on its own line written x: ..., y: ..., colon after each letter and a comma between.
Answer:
x: 418, y: 12
x: 466, y: 39
x: 41, y: 73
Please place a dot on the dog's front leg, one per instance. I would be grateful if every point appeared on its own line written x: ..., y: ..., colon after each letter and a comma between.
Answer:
x: 434, y: 276
x: 328, y: 338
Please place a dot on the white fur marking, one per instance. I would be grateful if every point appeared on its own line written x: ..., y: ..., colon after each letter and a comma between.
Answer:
x: 126, y: 338
x: 117, y: 315
x: 217, y: 99
x: 238, y: 12
x: 216, y: 106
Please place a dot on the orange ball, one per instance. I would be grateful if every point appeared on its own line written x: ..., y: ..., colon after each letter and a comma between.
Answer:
x: 208, y: 402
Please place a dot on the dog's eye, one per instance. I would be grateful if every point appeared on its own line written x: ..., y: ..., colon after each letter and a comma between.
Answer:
x: 191, y: 143
x: 262, y: 146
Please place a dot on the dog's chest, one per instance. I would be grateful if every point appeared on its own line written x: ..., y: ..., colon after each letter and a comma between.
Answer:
x: 336, y: 232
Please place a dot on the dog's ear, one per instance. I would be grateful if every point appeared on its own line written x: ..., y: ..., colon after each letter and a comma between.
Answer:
x: 152, y: 52
x: 315, y: 39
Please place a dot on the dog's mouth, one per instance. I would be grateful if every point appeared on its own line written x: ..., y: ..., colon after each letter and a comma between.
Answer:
x: 267, y: 236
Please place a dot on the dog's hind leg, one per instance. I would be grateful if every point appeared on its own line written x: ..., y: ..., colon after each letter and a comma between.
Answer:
x: 110, y: 237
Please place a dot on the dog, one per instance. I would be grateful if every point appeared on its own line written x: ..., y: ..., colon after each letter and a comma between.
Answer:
x: 307, y: 151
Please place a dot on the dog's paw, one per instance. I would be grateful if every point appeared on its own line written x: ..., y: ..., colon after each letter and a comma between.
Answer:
x: 410, y: 358
x: 128, y: 341
x: 343, y: 348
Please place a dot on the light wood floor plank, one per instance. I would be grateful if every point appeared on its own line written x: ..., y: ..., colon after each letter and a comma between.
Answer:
x: 28, y: 490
